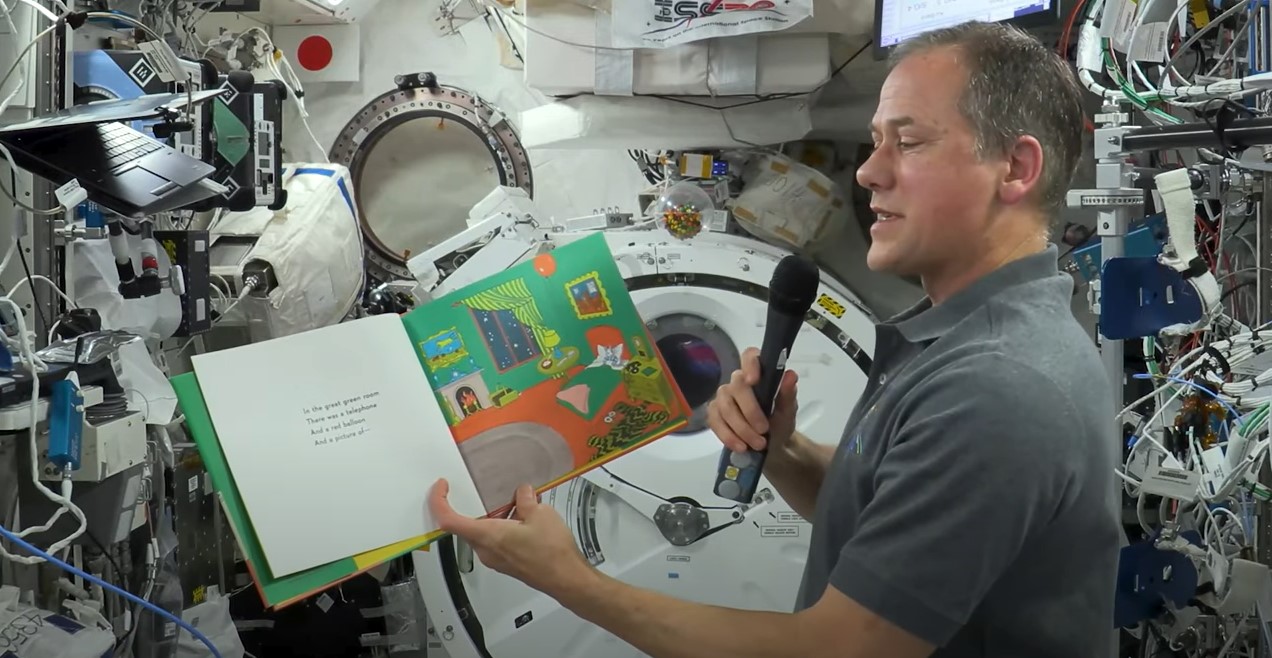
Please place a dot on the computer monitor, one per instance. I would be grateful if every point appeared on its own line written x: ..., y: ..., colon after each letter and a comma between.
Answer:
x: 899, y: 20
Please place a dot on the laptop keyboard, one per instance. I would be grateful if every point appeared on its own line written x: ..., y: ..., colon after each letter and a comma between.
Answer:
x: 123, y: 144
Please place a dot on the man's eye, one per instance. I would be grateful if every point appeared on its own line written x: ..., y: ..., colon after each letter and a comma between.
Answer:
x: 906, y: 145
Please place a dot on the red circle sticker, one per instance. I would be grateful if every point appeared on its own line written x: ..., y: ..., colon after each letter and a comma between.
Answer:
x: 314, y: 53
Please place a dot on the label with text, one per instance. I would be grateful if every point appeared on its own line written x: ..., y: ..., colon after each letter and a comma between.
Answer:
x: 1171, y: 482
x: 332, y: 422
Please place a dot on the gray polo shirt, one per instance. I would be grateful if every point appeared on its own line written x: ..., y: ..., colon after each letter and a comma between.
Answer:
x: 972, y: 500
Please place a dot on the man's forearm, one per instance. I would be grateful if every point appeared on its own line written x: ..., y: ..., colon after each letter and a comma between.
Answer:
x: 666, y: 627
x: 797, y: 471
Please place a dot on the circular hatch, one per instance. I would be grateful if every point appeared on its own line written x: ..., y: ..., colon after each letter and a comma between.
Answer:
x: 420, y: 157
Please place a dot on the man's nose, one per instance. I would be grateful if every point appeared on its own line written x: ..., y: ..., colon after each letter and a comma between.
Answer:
x: 872, y: 173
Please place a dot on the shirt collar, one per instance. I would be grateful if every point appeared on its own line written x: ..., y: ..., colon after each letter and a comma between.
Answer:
x: 923, y: 321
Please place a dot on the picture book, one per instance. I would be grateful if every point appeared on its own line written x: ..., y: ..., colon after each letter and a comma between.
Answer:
x: 323, y: 446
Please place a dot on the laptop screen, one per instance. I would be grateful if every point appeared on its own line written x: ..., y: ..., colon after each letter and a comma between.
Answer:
x: 142, y: 107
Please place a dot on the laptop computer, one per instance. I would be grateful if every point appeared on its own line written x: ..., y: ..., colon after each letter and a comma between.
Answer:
x: 120, y: 169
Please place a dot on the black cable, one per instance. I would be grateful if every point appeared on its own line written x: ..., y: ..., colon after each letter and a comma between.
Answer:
x: 119, y: 582
x: 31, y: 282
x: 512, y: 43
x: 13, y: 184
x: 119, y: 572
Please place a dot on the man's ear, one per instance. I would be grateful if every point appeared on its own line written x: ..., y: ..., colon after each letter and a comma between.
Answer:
x: 1024, y: 171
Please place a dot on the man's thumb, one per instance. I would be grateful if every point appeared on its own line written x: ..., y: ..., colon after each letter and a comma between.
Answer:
x: 786, y: 392
x: 526, y: 497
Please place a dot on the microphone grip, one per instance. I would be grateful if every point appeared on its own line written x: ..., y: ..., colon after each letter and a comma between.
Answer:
x: 738, y: 473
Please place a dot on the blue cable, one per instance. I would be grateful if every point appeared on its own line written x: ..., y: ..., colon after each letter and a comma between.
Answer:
x: 135, y: 599
x: 1203, y: 389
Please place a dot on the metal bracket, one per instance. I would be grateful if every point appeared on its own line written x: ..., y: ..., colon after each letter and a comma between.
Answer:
x: 72, y: 232
x: 678, y: 522
x: 1108, y: 142
x: 1105, y: 199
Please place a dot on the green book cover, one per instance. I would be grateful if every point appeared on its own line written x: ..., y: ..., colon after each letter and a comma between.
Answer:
x: 542, y: 371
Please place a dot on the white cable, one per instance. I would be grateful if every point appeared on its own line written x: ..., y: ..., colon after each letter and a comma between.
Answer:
x: 4, y: 105
x: 35, y: 366
x: 45, y: 10
x: 1132, y: 63
x: 43, y: 279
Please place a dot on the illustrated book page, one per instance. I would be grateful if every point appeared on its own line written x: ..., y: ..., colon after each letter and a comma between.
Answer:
x: 330, y: 446
x: 545, y: 371
x: 275, y: 593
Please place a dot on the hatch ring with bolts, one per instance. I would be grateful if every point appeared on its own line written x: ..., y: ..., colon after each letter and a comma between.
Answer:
x: 420, y: 96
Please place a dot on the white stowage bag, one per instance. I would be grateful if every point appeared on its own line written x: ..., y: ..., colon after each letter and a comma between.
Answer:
x: 212, y: 619
x: 28, y: 632
x: 314, y: 245
x: 788, y: 202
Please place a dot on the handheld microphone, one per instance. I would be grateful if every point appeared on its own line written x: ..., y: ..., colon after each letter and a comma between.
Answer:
x: 791, y: 294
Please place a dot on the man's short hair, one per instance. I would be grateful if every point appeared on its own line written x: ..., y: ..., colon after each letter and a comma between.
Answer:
x: 1016, y: 86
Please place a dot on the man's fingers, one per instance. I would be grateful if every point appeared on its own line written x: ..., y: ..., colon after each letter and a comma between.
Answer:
x: 743, y: 395
x: 751, y: 365
x: 447, y: 519
x: 721, y: 428
x: 741, y: 426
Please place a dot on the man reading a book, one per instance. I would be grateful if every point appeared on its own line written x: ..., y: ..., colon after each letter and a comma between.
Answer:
x: 970, y: 508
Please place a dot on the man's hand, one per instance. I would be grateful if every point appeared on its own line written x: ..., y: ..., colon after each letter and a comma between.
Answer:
x: 735, y: 415
x: 533, y: 546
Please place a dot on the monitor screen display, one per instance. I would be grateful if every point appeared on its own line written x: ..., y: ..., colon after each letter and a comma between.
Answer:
x: 899, y: 20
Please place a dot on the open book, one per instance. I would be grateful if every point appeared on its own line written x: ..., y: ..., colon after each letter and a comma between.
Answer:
x: 324, y: 445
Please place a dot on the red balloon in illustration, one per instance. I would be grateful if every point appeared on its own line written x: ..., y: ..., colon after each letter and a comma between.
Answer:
x: 545, y: 264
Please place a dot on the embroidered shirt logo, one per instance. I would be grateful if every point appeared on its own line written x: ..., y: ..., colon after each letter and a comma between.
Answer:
x: 855, y: 445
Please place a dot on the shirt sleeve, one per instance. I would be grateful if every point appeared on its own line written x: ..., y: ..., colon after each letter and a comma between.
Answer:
x: 975, y: 470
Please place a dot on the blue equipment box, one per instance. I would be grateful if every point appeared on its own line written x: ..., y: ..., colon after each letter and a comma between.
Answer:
x: 1144, y: 240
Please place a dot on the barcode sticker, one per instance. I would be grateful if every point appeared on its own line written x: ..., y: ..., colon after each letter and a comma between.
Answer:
x: 1150, y: 43
x: 1171, y: 482
x: 156, y: 60
x: 1111, y: 16
x: 1125, y: 22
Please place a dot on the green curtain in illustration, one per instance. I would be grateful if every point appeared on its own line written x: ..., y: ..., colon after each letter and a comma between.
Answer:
x: 513, y: 296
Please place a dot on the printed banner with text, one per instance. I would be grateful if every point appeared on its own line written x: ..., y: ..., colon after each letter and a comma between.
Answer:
x: 666, y: 23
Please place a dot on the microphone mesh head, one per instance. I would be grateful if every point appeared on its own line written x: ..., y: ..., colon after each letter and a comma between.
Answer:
x: 794, y: 285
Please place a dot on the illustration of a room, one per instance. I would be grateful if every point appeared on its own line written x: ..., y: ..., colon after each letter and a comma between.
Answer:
x: 513, y: 388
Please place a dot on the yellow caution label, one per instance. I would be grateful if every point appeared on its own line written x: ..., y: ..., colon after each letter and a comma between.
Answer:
x: 1200, y: 13
x: 832, y: 307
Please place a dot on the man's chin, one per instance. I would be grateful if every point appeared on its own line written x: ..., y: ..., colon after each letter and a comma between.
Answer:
x: 880, y: 261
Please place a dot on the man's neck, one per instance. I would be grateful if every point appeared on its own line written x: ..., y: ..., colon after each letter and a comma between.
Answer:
x: 960, y: 274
